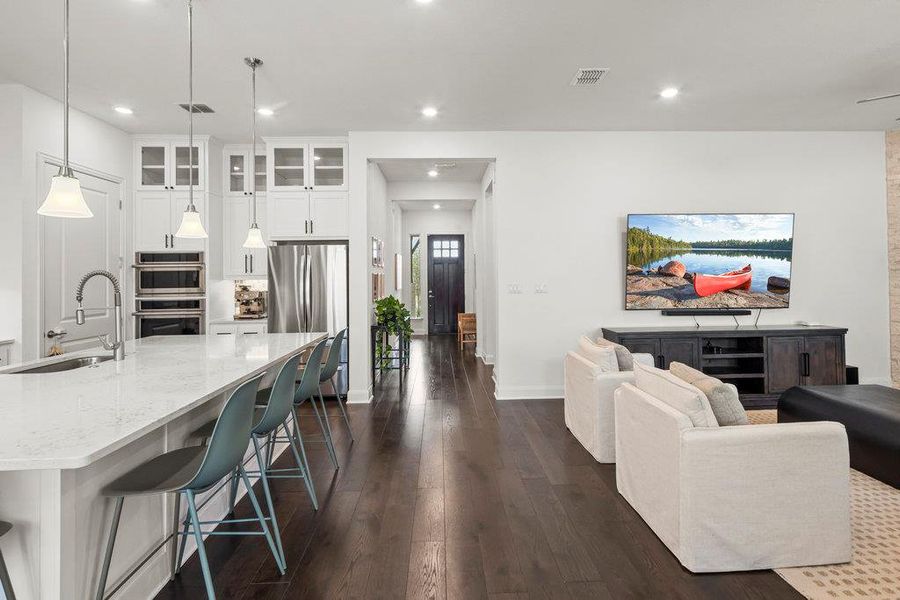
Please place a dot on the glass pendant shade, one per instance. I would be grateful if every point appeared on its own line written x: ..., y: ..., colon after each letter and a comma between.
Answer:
x: 254, y: 238
x: 191, y: 225
x: 65, y: 199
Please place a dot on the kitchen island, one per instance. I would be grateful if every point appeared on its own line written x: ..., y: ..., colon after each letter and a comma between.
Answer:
x: 64, y: 435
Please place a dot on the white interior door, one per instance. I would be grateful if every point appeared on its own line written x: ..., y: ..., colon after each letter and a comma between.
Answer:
x: 71, y: 248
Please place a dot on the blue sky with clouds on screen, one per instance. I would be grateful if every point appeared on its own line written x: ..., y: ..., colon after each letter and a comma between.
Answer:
x: 694, y: 228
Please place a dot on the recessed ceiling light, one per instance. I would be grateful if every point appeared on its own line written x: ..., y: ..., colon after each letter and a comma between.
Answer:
x: 669, y: 92
x: 430, y: 112
x: 266, y: 112
x: 317, y: 158
x: 437, y: 207
x: 433, y: 173
x: 123, y: 110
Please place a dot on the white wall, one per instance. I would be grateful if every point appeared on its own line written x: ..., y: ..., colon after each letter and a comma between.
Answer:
x: 486, y: 270
x: 560, y: 203
x: 434, y: 222
x: 93, y: 144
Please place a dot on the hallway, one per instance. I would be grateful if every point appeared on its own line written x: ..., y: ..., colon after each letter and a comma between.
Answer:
x: 449, y: 494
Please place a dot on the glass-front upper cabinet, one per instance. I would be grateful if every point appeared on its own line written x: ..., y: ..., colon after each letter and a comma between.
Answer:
x: 166, y: 165
x: 329, y: 166
x: 236, y: 169
x: 238, y: 174
x: 183, y: 167
x: 154, y: 159
x: 287, y: 167
x: 260, y: 173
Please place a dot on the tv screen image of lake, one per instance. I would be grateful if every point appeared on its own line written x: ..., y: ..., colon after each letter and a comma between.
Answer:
x: 766, y: 263
x: 703, y: 247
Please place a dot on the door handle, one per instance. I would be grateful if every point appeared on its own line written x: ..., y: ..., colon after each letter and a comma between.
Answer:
x: 251, y: 263
x: 661, y: 361
x: 245, y: 263
x: 166, y: 237
x: 52, y: 334
x: 312, y: 228
x: 806, y: 364
x: 171, y: 240
x: 305, y: 226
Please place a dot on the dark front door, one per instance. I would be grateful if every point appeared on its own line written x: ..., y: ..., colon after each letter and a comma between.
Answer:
x: 446, y: 282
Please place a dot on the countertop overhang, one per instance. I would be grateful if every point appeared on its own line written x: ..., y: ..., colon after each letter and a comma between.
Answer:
x: 70, y: 419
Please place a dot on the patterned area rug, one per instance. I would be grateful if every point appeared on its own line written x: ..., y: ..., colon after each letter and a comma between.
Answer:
x: 874, y: 572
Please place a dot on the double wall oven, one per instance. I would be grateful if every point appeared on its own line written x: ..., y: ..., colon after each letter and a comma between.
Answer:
x: 170, y: 293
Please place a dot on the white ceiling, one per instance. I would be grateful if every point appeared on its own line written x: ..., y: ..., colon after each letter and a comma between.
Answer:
x: 409, y: 169
x: 331, y: 67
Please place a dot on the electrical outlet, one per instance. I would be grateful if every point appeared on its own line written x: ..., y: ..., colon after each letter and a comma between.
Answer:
x: 514, y: 288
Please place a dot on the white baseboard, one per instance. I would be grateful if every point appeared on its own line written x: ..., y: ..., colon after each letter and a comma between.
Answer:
x: 527, y: 392
x: 360, y: 396
x: 487, y: 359
x: 886, y: 381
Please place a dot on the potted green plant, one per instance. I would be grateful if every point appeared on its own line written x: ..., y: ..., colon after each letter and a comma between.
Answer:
x: 393, y: 315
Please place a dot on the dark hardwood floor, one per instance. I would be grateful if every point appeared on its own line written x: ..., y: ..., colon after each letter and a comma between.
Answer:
x: 447, y: 493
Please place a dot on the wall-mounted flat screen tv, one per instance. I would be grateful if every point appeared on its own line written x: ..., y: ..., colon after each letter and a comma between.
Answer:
x: 708, y: 261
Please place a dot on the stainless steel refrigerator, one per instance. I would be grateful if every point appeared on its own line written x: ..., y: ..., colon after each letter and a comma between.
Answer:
x: 308, y: 283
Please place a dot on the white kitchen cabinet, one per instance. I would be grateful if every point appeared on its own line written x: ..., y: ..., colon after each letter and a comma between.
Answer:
x: 238, y: 327
x: 237, y: 170
x: 329, y: 166
x: 306, y: 164
x: 240, y: 262
x: 165, y: 164
x: 157, y: 216
x: 316, y: 215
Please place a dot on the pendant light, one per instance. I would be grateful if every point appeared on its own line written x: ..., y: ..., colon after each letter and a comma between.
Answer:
x: 65, y: 198
x: 254, y: 235
x: 191, y: 225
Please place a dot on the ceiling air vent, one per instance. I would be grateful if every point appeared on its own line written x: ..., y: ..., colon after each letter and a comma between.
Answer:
x: 589, y: 76
x: 198, y: 108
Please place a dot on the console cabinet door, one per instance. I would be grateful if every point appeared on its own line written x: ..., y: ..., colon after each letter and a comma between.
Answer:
x: 683, y: 350
x: 643, y: 345
x: 825, y: 360
x: 784, y: 358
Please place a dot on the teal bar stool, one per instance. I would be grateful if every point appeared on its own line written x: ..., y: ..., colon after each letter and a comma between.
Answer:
x: 329, y: 373
x: 274, y: 409
x: 308, y: 390
x: 193, y: 470
x: 5, y: 583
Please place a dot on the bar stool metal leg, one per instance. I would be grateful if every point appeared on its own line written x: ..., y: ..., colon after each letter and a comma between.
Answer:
x: 201, y: 549
x: 295, y: 440
x: 176, y: 522
x: 110, y: 543
x: 343, y: 410
x: 268, y: 494
x: 5, y: 583
x: 262, y: 519
x: 329, y: 439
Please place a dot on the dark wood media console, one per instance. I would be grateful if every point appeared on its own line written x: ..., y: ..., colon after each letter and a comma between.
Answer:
x: 762, y: 361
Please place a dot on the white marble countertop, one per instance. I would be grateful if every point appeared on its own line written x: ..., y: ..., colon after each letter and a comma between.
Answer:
x: 69, y: 419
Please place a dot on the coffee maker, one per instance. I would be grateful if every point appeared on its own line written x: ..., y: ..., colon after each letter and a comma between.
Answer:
x: 249, y: 303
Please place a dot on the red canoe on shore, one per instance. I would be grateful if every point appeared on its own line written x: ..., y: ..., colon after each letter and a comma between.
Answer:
x: 707, y: 285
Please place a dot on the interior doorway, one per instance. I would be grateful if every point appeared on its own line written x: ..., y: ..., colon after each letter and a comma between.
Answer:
x: 69, y: 249
x: 446, y: 282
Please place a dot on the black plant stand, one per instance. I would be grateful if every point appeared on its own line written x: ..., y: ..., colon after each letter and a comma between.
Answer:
x: 394, y: 359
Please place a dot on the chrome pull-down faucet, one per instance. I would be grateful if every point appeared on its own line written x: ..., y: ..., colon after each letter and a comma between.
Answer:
x: 117, y: 346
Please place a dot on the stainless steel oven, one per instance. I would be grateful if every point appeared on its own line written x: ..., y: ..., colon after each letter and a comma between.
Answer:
x: 169, y: 316
x: 169, y: 273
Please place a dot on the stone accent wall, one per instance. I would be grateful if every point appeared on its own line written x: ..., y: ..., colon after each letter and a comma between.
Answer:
x: 892, y: 164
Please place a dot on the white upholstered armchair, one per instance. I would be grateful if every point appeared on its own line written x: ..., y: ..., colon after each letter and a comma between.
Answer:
x: 589, y: 406
x: 733, y: 498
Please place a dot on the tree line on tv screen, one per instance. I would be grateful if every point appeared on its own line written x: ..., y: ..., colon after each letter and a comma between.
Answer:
x: 642, y: 240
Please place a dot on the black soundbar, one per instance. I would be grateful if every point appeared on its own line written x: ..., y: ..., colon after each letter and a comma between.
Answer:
x: 706, y: 312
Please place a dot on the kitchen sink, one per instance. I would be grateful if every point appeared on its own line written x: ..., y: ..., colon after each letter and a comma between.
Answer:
x: 64, y: 365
